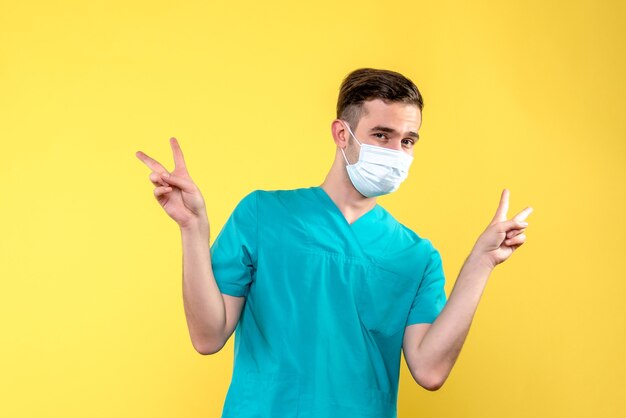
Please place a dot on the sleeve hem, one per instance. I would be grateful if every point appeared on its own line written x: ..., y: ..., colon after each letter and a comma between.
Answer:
x: 232, y: 289
x: 422, y: 319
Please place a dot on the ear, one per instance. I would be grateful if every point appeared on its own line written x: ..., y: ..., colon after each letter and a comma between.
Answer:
x: 340, y: 133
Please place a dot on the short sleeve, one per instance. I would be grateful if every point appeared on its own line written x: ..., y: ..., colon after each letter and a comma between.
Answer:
x: 431, y: 295
x: 234, y: 252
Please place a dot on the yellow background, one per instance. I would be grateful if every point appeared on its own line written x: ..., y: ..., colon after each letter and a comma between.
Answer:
x: 524, y: 95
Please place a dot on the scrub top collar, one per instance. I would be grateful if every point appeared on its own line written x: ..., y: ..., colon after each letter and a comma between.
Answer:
x: 373, y: 214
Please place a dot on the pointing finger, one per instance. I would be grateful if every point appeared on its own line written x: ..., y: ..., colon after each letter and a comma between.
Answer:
x: 153, y: 164
x: 523, y: 214
x: 503, y: 207
x: 179, y: 160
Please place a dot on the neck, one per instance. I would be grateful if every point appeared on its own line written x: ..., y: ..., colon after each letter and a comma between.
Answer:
x: 339, y: 188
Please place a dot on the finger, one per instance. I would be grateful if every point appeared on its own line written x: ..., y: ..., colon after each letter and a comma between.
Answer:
x: 156, y: 179
x: 179, y: 160
x: 503, y: 207
x: 518, y: 240
x: 506, y: 226
x: 159, y: 191
x: 523, y: 214
x: 185, y: 185
x: 514, y: 232
x: 150, y: 162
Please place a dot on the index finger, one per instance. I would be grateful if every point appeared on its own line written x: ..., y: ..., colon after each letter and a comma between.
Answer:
x: 153, y: 164
x: 503, y: 207
x: 523, y: 214
x: 179, y: 160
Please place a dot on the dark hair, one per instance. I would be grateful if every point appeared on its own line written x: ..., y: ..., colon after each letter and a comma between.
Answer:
x: 369, y: 83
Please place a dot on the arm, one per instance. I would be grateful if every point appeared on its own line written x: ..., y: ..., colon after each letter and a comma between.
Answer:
x: 432, y: 349
x: 211, y: 315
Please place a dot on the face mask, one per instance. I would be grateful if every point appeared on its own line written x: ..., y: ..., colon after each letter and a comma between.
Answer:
x: 379, y: 170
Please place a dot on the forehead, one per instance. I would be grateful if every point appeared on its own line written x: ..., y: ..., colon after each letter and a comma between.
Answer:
x: 405, y: 116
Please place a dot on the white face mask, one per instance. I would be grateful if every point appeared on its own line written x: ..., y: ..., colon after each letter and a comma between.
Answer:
x: 379, y: 170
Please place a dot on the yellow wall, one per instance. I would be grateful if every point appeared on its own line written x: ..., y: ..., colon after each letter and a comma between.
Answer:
x: 525, y: 95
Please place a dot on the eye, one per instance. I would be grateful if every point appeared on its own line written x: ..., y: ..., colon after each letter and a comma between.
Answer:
x: 383, y: 135
x: 408, y: 142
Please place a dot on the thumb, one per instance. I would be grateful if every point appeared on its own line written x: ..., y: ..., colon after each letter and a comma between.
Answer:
x: 184, y: 184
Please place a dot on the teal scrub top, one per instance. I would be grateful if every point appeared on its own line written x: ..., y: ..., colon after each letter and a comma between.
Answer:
x: 320, y: 333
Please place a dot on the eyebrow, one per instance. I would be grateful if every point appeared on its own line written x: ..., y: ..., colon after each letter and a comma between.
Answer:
x: 393, y: 131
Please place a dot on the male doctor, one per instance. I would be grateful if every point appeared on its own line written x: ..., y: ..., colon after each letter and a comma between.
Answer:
x: 323, y: 287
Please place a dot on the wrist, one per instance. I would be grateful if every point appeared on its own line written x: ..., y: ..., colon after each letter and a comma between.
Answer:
x: 194, y: 226
x: 481, y: 261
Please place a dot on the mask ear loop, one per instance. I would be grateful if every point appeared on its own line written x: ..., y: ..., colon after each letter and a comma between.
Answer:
x: 353, y: 136
x: 344, y: 156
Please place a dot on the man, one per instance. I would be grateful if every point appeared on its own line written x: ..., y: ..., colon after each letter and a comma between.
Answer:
x: 322, y: 285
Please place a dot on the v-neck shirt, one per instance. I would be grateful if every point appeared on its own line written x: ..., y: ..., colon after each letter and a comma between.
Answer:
x: 320, y: 333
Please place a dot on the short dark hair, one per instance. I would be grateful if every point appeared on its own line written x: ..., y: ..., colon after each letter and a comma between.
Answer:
x: 368, y: 84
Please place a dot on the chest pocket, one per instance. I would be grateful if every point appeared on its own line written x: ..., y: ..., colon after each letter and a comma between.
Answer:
x: 384, y: 299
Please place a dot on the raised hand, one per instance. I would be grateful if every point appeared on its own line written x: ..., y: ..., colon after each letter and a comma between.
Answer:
x: 502, y: 236
x: 176, y: 192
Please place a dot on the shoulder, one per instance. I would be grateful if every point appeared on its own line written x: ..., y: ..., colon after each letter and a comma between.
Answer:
x: 279, y: 196
x: 264, y: 201
x: 278, y: 193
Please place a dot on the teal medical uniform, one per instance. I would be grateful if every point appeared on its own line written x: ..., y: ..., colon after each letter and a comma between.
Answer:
x: 320, y: 333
